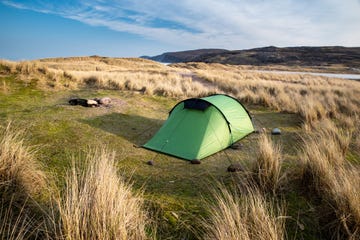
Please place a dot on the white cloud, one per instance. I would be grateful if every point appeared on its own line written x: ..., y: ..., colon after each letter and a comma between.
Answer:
x: 232, y: 24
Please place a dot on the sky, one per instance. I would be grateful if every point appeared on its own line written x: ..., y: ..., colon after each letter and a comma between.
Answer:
x: 131, y: 28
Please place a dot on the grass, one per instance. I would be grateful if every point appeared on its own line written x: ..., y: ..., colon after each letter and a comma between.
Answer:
x: 97, y: 204
x: 333, y: 179
x: 246, y: 215
x: 13, y: 225
x: 34, y: 96
x: 267, y: 168
x: 22, y: 187
x: 19, y: 167
x: 312, y: 97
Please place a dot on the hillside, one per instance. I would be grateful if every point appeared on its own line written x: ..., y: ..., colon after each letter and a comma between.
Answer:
x: 184, y: 56
x: 344, y: 58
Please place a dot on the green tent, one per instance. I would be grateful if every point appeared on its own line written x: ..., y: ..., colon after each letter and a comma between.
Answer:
x: 199, y: 127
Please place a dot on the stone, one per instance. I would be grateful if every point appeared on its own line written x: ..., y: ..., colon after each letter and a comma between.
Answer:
x: 195, y: 161
x: 92, y: 103
x: 235, y: 168
x: 276, y: 131
x: 105, y: 101
x: 73, y: 101
x: 150, y: 163
x: 78, y: 101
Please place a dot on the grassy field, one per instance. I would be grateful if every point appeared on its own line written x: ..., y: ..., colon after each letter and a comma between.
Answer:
x: 302, y: 184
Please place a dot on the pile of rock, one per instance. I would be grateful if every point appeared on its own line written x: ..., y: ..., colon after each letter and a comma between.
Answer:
x: 96, y: 102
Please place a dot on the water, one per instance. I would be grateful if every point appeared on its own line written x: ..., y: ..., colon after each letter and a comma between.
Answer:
x: 332, y: 75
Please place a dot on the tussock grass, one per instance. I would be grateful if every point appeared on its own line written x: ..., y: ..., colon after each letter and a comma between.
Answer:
x: 138, y: 75
x: 151, y: 83
x: 18, y: 166
x: 334, y: 140
x: 244, y: 214
x: 267, y: 167
x: 97, y: 204
x: 13, y: 226
x: 41, y: 74
x: 334, y: 179
x: 97, y: 63
x: 21, y: 182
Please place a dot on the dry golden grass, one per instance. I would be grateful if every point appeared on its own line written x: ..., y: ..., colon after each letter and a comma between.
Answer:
x: 151, y: 83
x: 21, y: 182
x: 102, y: 64
x: 267, y: 167
x: 97, y: 204
x: 333, y: 177
x: 244, y: 215
x: 312, y: 97
x: 138, y: 75
x: 18, y: 167
x: 35, y: 71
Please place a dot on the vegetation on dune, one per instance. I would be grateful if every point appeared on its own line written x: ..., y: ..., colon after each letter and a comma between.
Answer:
x: 303, y: 184
x: 22, y: 185
x: 97, y: 204
x: 94, y: 204
x: 334, y: 180
x: 312, y: 97
x: 244, y: 214
x: 267, y: 168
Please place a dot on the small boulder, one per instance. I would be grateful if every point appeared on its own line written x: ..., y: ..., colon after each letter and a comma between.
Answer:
x: 92, y: 103
x: 150, y: 163
x: 78, y: 101
x: 105, y: 101
x: 235, y: 168
x: 195, y: 161
x: 276, y: 131
x: 73, y: 101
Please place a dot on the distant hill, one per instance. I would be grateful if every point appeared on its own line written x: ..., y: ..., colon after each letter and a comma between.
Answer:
x: 288, y: 56
x: 185, y: 56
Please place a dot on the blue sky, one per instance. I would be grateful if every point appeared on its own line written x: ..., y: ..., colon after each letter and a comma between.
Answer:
x: 131, y: 28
